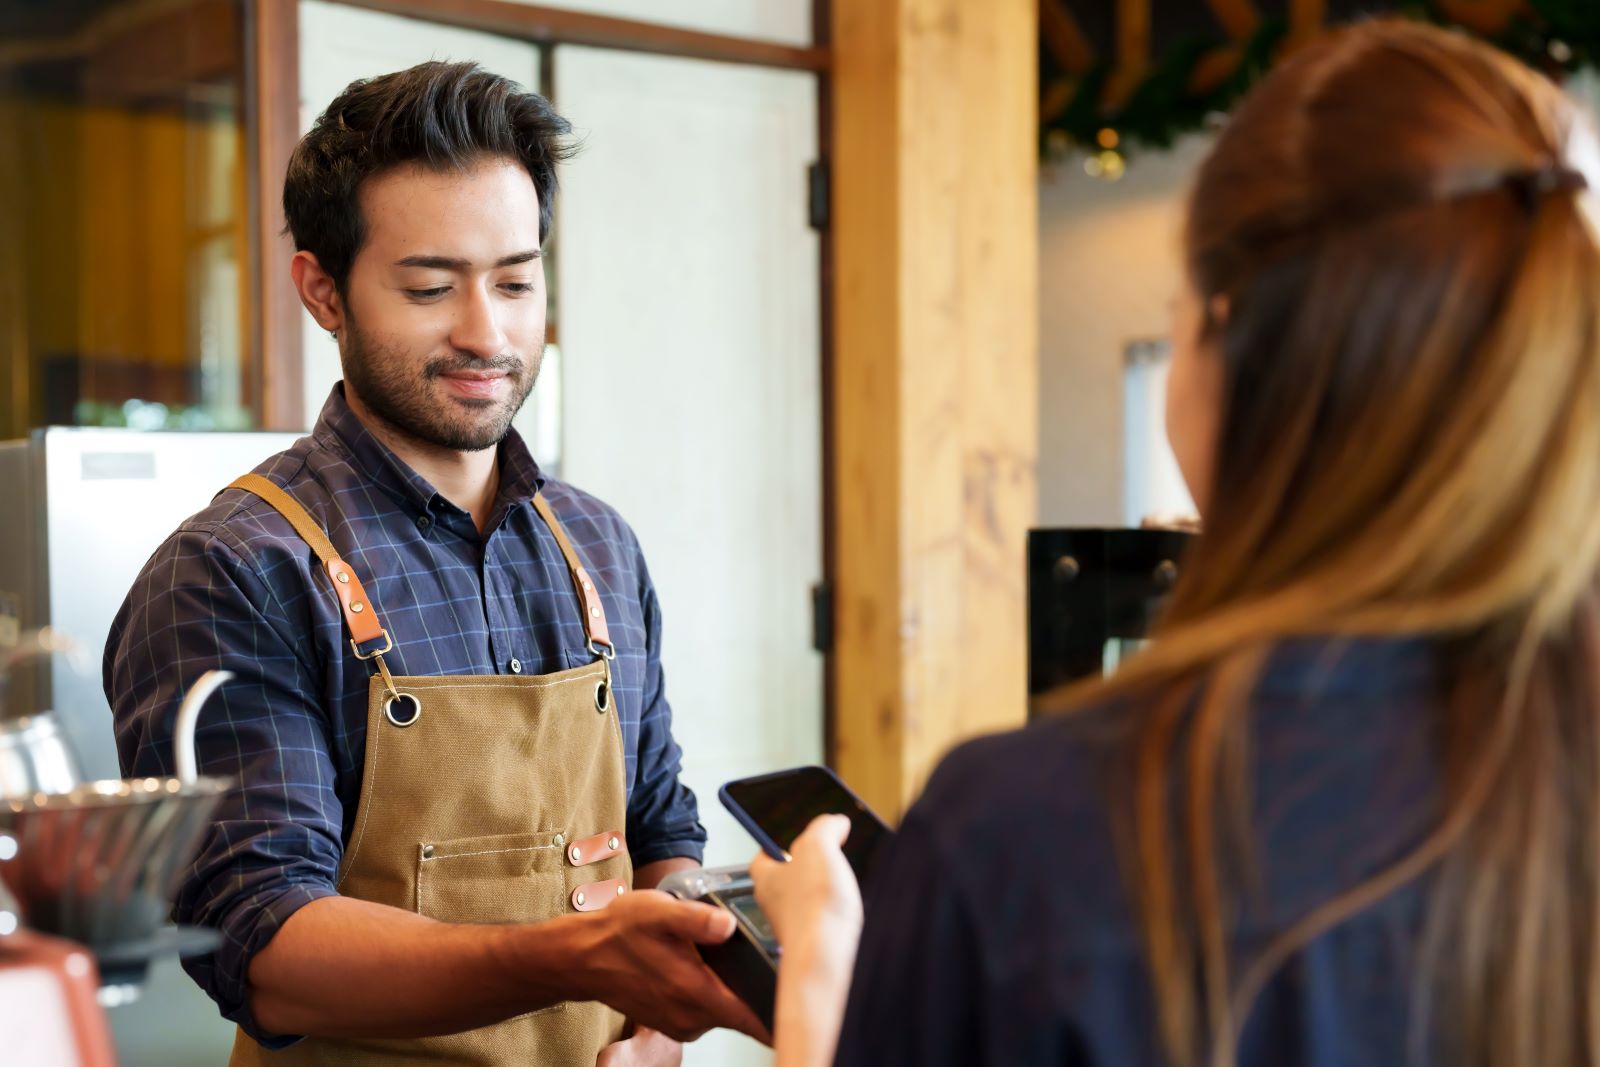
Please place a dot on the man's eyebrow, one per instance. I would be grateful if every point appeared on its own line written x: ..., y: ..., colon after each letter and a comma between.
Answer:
x: 455, y: 263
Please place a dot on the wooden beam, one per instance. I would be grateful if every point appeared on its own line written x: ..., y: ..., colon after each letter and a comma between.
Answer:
x: 935, y: 378
x: 1064, y: 37
x: 273, y: 125
x: 1485, y: 17
x: 1215, y: 67
x: 1306, y: 18
x: 548, y: 25
x: 16, y: 347
x: 1133, y: 53
x: 1238, y: 17
x: 139, y: 55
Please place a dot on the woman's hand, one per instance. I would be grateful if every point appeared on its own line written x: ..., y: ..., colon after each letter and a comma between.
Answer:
x: 816, y: 891
x: 814, y: 905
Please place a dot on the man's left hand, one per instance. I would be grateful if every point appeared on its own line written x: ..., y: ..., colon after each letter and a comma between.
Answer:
x: 645, y: 1048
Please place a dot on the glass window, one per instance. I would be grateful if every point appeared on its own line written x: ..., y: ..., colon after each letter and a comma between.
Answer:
x: 124, y: 239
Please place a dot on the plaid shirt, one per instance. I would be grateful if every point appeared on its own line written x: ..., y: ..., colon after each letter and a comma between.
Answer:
x: 234, y: 588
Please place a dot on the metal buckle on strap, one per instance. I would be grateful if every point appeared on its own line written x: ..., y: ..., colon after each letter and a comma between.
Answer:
x: 602, y: 651
x: 388, y: 644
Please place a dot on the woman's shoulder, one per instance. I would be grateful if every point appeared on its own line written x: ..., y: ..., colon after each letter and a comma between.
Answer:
x: 1020, y: 816
x: 1324, y: 717
x: 1050, y: 764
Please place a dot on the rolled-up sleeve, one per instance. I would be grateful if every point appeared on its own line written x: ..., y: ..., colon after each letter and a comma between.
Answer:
x: 663, y: 815
x: 274, y: 844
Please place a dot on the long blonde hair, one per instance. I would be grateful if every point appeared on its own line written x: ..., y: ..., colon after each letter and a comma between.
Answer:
x: 1410, y: 445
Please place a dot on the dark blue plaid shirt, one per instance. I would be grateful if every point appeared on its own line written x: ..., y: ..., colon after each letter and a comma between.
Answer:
x: 235, y: 588
x: 1000, y: 931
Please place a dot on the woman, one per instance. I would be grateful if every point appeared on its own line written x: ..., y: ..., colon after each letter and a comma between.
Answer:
x: 1347, y: 808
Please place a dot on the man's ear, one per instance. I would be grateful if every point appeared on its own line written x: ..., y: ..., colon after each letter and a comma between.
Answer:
x: 317, y: 291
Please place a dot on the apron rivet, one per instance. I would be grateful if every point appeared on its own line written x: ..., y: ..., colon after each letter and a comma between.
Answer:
x: 612, y: 844
x: 395, y: 701
x: 344, y: 577
x: 595, y: 612
x: 621, y: 889
x: 580, y: 900
x: 576, y: 854
x: 427, y: 852
x: 357, y: 606
x: 561, y: 839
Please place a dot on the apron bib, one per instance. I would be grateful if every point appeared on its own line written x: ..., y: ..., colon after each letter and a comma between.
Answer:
x: 484, y: 799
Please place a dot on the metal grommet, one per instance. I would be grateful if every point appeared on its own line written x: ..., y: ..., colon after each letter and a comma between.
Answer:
x: 602, y: 697
x: 389, y: 707
x: 427, y: 852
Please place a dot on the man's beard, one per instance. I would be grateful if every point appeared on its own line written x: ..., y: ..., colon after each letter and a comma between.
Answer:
x: 391, y: 388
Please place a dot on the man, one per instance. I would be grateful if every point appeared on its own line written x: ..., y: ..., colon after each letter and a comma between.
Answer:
x: 447, y: 721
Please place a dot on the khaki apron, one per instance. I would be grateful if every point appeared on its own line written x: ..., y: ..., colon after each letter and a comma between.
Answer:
x: 484, y: 799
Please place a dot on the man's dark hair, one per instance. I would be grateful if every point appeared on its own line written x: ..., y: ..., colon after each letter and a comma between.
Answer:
x: 443, y: 116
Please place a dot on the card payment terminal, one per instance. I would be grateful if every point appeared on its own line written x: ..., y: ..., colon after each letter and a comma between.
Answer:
x: 747, y: 962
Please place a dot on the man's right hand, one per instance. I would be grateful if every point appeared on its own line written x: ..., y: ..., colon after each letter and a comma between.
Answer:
x: 640, y: 957
x: 340, y: 967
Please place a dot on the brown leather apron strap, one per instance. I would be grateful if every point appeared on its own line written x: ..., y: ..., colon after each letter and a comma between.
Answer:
x: 359, y: 615
x: 594, y: 612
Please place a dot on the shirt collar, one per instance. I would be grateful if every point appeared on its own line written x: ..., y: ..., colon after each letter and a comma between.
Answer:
x: 520, y: 477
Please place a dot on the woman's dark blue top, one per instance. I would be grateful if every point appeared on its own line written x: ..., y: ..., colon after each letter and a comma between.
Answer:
x: 1000, y: 929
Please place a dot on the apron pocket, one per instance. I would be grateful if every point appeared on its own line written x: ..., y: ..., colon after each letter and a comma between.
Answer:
x: 502, y: 878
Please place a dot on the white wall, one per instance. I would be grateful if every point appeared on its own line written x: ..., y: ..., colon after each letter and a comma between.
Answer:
x: 783, y: 21
x: 1109, y: 263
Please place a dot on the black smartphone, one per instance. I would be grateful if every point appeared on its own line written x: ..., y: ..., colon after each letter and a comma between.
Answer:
x: 777, y: 807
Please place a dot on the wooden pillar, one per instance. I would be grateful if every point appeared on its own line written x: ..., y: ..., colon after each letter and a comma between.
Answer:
x: 935, y: 391
x: 273, y: 92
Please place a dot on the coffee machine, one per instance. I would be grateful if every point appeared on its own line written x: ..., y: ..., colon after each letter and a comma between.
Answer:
x: 1094, y: 594
x: 87, y: 875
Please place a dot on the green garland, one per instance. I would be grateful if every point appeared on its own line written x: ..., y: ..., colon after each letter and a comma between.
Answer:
x: 1561, y: 37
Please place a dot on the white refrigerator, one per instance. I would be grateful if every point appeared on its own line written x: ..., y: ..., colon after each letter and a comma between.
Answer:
x: 81, y: 511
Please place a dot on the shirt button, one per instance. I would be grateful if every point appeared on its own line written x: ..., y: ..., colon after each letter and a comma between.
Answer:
x: 516, y: 666
x: 424, y: 523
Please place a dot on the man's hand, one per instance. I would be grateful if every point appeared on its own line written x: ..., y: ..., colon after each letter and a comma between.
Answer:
x: 646, y: 1048
x: 639, y: 957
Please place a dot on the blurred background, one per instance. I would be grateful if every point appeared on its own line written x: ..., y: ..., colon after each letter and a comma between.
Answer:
x: 862, y: 293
